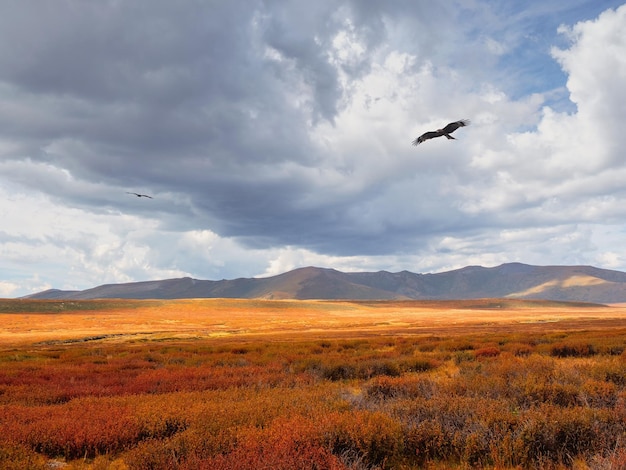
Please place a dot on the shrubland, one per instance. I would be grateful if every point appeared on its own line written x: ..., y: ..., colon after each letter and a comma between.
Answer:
x: 514, y: 398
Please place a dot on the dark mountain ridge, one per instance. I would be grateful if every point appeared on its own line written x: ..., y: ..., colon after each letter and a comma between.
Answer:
x: 511, y: 280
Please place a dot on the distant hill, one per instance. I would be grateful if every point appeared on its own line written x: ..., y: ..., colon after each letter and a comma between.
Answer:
x: 512, y: 280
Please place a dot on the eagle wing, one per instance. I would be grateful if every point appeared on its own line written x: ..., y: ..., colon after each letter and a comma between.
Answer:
x: 139, y: 195
x: 427, y: 135
x: 453, y: 126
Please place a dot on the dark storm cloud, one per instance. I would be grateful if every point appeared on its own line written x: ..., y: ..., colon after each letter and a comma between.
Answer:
x: 117, y: 90
x: 202, y: 99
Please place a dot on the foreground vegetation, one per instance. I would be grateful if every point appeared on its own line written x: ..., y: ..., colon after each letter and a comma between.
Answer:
x: 521, y: 397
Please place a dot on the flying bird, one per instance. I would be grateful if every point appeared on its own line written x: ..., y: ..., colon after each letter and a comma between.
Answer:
x: 449, y: 129
x: 140, y: 195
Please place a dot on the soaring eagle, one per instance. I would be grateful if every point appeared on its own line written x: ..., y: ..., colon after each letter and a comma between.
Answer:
x: 140, y: 195
x: 449, y: 129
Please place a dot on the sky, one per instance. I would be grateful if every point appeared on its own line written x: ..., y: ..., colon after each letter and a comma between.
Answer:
x: 274, y: 135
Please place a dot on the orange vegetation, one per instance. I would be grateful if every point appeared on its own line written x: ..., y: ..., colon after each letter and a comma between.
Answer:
x: 245, y: 384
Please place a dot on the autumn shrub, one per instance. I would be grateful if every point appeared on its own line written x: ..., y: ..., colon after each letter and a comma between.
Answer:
x: 359, y: 369
x: 20, y: 457
x: 417, y: 364
x: 538, y: 399
x: 486, y: 352
x: 520, y: 349
x: 614, y: 458
x: 371, y: 437
x: 550, y: 434
x: 476, y: 448
x: 281, y: 455
x: 101, y: 462
x: 480, y: 433
x: 384, y: 388
x: 211, y: 433
x: 573, y: 349
x: 456, y: 430
x: 152, y: 454
x: 339, y: 371
x: 457, y: 344
x: 463, y: 355
x: 287, y: 443
x: 428, y: 441
x: 598, y: 394
x: 428, y: 346
x: 76, y: 429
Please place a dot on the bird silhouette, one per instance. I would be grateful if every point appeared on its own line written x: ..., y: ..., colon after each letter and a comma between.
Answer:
x: 139, y: 195
x: 449, y: 129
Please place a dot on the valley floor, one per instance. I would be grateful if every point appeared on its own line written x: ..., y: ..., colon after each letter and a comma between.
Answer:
x: 244, y: 384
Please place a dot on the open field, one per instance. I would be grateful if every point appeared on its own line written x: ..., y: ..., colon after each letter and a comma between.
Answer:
x: 248, y: 384
x: 54, y: 320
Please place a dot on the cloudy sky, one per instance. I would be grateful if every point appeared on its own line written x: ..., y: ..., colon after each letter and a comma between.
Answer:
x: 274, y: 135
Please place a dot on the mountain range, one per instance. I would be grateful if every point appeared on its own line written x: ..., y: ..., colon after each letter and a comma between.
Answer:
x: 511, y: 280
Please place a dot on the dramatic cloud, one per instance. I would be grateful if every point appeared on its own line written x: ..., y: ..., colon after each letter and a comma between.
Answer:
x: 274, y: 135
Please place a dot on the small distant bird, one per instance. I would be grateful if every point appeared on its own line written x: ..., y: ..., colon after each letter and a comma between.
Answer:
x: 449, y: 129
x: 140, y: 195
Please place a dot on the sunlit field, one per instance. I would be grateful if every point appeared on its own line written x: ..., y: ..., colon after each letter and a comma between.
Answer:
x: 251, y: 384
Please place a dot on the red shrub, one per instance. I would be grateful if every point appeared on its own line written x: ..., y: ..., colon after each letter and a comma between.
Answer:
x: 284, y: 445
x: 489, y: 351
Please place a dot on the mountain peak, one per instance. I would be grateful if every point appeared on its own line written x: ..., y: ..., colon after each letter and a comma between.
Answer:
x: 518, y: 280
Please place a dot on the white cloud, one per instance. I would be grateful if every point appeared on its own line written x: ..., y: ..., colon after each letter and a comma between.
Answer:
x: 290, y: 144
x: 7, y: 289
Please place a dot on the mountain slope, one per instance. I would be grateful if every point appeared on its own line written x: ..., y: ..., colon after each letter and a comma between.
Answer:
x: 514, y: 280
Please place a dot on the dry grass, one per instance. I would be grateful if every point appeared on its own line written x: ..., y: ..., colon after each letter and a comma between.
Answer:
x: 247, y: 384
x: 28, y: 321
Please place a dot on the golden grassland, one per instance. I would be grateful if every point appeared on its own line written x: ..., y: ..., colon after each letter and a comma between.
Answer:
x: 251, y: 384
x: 30, y: 320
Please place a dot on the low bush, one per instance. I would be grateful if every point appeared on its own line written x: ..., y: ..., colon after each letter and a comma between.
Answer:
x: 535, y: 400
x: 573, y: 350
